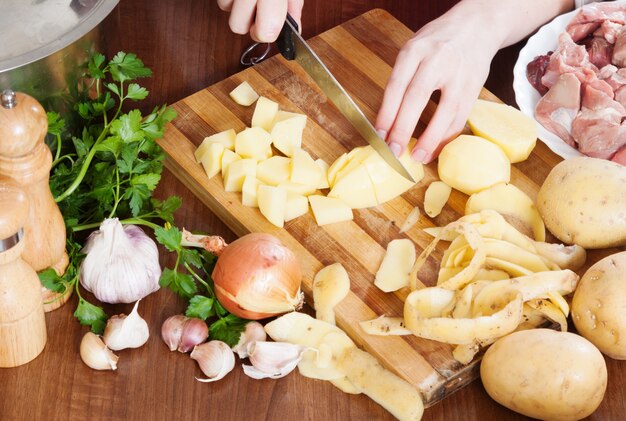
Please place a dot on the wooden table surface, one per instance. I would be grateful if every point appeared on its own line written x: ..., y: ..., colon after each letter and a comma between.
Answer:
x: 152, y: 383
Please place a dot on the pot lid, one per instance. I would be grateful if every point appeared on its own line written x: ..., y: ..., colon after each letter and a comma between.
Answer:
x: 33, y: 29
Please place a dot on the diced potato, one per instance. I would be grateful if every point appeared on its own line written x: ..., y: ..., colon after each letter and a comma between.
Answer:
x: 330, y: 285
x: 212, y: 158
x: 274, y: 170
x: 287, y: 131
x: 356, y: 157
x: 304, y: 170
x: 297, y: 205
x: 228, y: 157
x: 272, y: 204
x: 471, y: 164
x: 249, y: 191
x: 328, y: 210
x: 253, y: 142
x: 355, y: 189
x: 388, y: 184
x: 226, y: 138
x: 415, y: 168
x: 505, y: 126
x: 335, y: 167
x: 296, y: 188
x: 436, y: 197
x: 264, y: 113
x: 244, y: 94
x: 237, y: 172
x: 394, y: 270
x: 324, y: 166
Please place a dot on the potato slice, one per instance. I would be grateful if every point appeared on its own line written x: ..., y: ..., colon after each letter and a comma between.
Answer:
x: 274, y: 170
x: 394, y: 270
x: 295, y: 188
x: 436, y: 197
x: 505, y: 126
x: 264, y: 113
x: 355, y: 189
x: 243, y: 94
x: 297, y: 205
x: 330, y: 285
x: 249, y: 191
x: 253, y: 142
x: 471, y: 164
x: 388, y: 184
x: 385, y: 326
x: 329, y: 210
x: 335, y: 167
x: 226, y: 138
x: 304, y: 170
x: 228, y: 157
x: 411, y: 219
x: 211, y: 159
x: 324, y: 167
x: 287, y: 131
x: 237, y: 172
x: 507, y: 199
x: 301, y: 329
x: 273, y: 204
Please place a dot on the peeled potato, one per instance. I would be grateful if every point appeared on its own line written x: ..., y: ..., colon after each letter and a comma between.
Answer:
x: 471, y: 164
x: 505, y: 126
x: 244, y: 94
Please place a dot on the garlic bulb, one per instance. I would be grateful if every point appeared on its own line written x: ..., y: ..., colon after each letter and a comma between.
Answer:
x: 183, y: 333
x: 272, y: 359
x: 95, y: 353
x: 124, y: 331
x: 122, y: 263
x: 252, y: 333
x: 215, y: 359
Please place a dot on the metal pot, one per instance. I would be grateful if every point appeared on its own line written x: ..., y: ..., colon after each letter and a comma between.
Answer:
x: 45, y: 44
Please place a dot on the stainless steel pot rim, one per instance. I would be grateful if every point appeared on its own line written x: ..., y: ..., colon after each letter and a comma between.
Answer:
x: 92, y: 12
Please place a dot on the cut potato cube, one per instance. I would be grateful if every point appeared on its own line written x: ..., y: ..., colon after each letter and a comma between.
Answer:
x: 297, y: 205
x: 394, y: 270
x: 301, y: 189
x: 436, y: 197
x: 505, y: 126
x: 274, y: 170
x: 324, y: 166
x: 212, y: 159
x: 264, y: 113
x: 356, y: 157
x: 237, y: 172
x: 226, y: 138
x: 328, y: 210
x: 272, y: 204
x: 249, y: 191
x: 388, y: 184
x: 355, y: 189
x: 335, y: 167
x: 471, y: 164
x: 253, y: 142
x: 244, y: 94
x: 228, y: 157
x: 287, y: 132
x: 304, y: 170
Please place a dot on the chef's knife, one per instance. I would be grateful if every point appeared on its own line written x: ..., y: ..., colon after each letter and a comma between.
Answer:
x: 293, y: 47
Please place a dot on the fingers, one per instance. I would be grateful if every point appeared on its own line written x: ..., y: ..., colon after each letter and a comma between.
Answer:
x: 241, y: 16
x: 433, y: 138
x: 270, y: 18
x: 225, y: 5
x: 294, y: 8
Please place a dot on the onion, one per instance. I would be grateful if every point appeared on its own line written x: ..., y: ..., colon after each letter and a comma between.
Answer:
x: 256, y: 277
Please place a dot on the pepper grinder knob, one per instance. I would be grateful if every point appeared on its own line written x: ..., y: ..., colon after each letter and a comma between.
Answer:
x: 8, y: 99
x: 23, y: 124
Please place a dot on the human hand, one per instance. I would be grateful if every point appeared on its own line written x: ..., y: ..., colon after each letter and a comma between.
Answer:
x: 442, y: 56
x: 263, y: 19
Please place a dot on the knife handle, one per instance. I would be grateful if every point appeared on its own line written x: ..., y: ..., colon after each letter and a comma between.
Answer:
x: 284, y: 42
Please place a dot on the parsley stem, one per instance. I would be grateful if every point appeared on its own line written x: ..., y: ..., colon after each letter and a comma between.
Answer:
x: 61, y: 158
x: 195, y: 275
x: 58, y: 151
x: 117, y: 192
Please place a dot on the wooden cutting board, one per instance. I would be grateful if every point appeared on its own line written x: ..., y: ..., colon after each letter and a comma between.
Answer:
x: 360, y: 53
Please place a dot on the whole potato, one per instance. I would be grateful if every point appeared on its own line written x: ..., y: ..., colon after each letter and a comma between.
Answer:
x: 599, y: 305
x: 545, y: 374
x: 583, y: 201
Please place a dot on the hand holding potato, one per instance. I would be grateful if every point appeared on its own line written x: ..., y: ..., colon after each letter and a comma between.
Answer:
x: 263, y: 19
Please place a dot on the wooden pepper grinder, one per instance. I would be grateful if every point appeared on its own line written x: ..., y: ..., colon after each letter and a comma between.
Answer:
x: 22, y: 321
x: 26, y: 158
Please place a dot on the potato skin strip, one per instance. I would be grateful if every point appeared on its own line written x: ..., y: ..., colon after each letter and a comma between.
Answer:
x: 385, y: 326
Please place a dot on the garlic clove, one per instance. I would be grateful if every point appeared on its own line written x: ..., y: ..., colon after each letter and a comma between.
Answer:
x: 123, y: 331
x: 253, y: 332
x: 272, y: 359
x: 95, y: 353
x: 172, y: 330
x: 195, y: 331
x: 215, y: 359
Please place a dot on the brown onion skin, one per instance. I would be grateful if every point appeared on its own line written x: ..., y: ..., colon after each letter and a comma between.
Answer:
x: 232, y: 271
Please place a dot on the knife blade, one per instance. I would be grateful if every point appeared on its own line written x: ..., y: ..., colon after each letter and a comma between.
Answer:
x: 293, y: 47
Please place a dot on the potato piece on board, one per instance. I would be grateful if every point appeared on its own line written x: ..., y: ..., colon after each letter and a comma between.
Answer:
x: 249, y: 191
x: 237, y: 172
x: 304, y: 170
x: 297, y: 205
x: 287, y: 131
x: 324, y: 166
x: 274, y: 170
x: 355, y: 189
x: 212, y: 159
x: 253, y: 142
x: 330, y: 285
x: 228, y: 157
x: 505, y: 126
x: 436, y: 197
x: 226, y: 138
x: 244, y: 94
x: 471, y: 164
x: 272, y: 204
x: 329, y: 210
x: 264, y: 113
x: 394, y: 270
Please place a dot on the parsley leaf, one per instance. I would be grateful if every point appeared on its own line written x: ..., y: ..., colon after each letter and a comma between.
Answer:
x: 91, y: 315
x: 52, y: 281
x: 170, y: 237
x: 227, y: 329
x: 127, y: 67
x: 200, y: 307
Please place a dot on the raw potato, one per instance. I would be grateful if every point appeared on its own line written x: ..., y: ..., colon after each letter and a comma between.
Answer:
x: 436, y: 197
x: 329, y: 210
x: 249, y: 191
x: 545, y: 374
x: 394, y: 270
x: 272, y: 204
x: 274, y: 170
x: 226, y: 138
x: 244, y: 94
x: 598, y: 305
x: 583, y: 201
x: 228, y: 157
x: 471, y: 164
x: 287, y: 131
x: 211, y: 159
x: 297, y: 205
x: 411, y: 219
x: 505, y: 126
x: 237, y: 172
x: 330, y: 285
x: 264, y: 113
x: 511, y: 202
x: 304, y: 169
x: 253, y: 142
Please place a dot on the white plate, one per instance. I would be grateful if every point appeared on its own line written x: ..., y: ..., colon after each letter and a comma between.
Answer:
x: 546, y: 39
